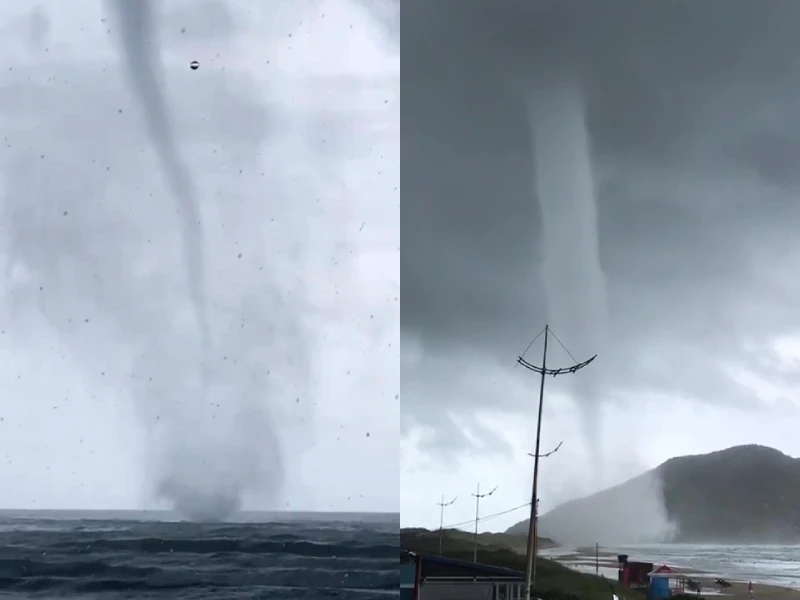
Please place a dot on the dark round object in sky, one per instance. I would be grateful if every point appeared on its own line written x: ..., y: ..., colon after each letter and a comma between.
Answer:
x: 194, y: 65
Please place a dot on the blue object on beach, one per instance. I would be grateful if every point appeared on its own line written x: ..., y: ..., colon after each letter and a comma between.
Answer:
x: 659, y: 588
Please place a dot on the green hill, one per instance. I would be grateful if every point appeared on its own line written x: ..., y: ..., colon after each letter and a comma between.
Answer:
x: 744, y: 494
x: 486, y: 541
x: 503, y: 550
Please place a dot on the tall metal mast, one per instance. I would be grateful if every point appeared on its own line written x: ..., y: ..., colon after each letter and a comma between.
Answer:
x: 530, y: 568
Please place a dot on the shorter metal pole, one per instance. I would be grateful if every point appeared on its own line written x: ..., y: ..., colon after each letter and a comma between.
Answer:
x: 442, y: 504
x: 478, y: 497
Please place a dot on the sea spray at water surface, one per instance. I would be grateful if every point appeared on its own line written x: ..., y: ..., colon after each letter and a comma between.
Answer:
x: 572, y: 275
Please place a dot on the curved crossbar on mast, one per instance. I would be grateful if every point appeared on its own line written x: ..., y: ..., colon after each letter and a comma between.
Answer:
x: 554, y: 372
x: 530, y: 569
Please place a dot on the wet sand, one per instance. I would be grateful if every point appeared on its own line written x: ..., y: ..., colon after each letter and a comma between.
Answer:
x: 605, y: 564
x: 760, y: 592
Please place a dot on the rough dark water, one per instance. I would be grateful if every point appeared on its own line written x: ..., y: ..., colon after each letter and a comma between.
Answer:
x: 291, y: 557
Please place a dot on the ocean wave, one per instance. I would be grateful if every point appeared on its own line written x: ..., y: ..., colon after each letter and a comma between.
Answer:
x: 200, y: 561
x: 296, y: 547
x: 762, y: 564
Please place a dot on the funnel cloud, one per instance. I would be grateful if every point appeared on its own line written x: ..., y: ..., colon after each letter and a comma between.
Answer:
x: 201, y: 501
x: 571, y: 273
x: 139, y: 39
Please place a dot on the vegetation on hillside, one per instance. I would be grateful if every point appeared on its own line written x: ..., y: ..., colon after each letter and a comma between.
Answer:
x: 553, y: 581
x: 516, y: 543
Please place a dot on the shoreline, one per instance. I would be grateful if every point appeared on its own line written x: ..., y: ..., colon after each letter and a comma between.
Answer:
x: 604, y: 563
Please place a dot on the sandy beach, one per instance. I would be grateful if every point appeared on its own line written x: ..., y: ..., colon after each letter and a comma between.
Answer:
x: 605, y: 563
x: 760, y: 592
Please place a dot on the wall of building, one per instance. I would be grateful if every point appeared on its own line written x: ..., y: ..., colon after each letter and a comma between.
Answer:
x: 456, y: 591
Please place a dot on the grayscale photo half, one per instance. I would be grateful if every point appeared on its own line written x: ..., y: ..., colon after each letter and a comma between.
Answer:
x: 600, y: 341
x: 200, y: 308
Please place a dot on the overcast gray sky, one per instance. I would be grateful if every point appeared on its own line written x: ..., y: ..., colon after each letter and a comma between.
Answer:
x: 689, y: 296
x: 288, y: 132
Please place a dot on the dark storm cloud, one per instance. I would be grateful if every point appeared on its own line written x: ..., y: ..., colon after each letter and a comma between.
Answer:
x: 694, y: 125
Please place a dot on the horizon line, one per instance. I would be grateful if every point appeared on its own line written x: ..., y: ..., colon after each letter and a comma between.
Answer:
x: 169, y: 510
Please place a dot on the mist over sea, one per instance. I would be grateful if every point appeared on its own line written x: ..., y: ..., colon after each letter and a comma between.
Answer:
x: 128, y: 554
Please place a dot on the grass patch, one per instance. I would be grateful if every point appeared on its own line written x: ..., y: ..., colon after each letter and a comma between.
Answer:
x: 553, y: 580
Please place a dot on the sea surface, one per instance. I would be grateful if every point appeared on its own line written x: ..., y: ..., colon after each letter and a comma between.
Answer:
x: 116, y: 555
x: 765, y: 564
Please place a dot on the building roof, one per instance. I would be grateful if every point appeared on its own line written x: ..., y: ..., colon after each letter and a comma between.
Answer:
x: 663, y: 571
x: 431, y: 562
